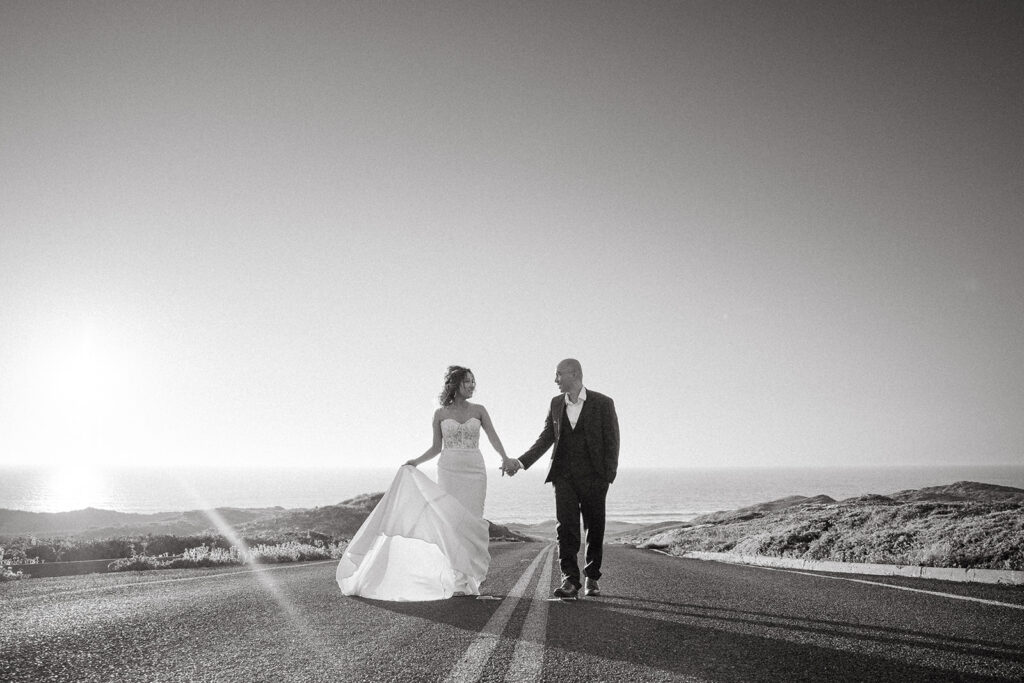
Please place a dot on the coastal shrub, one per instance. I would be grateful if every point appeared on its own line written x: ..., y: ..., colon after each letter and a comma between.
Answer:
x: 205, y: 556
x: 823, y: 546
x: 800, y: 540
x: 41, y: 553
x: 98, y: 550
x: 932, y: 555
x: 266, y: 539
x: 34, y: 549
x: 176, y: 545
x: 135, y: 563
x: 170, y: 545
x: 269, y: 554
x: 29, y: 549
x: 896, y: 543
x: 313, y: 537
x: 295, y: 552
x: 202, y: 556
x: 13, y: 555
x: 6, y: 573
x: 855, y: 517
x: 755, y: 544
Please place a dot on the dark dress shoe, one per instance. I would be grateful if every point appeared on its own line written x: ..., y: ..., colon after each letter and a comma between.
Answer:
x: 591, y: 588
x: 567, y: 591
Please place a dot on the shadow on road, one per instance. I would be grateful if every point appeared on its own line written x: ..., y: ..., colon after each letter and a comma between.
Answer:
x: 882, y: 634
x: 461, y: 612
x: 730, y: 644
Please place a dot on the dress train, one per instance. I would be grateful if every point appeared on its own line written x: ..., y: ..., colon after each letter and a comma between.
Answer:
x: 419, y: 543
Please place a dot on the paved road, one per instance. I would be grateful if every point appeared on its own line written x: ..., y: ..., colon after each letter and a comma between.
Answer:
x: 661, y: 619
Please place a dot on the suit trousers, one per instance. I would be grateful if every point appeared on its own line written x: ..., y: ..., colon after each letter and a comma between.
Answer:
x: 576, y: 497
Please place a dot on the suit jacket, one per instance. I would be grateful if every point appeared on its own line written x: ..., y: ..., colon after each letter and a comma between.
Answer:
x: 601, y: 426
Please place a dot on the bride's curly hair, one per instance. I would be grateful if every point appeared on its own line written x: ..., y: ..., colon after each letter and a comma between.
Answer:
x: 452, y: 379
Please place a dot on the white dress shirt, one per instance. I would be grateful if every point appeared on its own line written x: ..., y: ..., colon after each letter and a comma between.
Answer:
x: 573, y: 410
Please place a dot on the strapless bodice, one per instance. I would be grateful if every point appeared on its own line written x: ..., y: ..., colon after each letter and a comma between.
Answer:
x: 461, y: 434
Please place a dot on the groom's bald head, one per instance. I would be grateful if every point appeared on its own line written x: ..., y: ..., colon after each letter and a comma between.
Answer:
x: 569, y: 377
x: 571, y: 365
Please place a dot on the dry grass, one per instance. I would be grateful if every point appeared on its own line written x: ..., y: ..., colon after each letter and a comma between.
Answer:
x: 204, y: 556
x: 6, y: 573
x: 952, y: 534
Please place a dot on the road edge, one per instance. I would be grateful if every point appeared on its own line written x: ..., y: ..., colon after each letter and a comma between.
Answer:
x: 995, y: 576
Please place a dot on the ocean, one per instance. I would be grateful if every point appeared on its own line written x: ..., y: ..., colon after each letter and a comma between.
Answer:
x: 638, y: 495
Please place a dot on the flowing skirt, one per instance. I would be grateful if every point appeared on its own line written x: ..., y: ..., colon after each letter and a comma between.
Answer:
x: 423, y: 541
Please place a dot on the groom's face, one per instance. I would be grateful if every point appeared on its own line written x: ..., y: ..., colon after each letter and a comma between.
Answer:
x: 564, y: 378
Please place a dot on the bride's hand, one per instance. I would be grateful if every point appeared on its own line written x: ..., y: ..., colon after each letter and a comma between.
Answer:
x: 411, y: 462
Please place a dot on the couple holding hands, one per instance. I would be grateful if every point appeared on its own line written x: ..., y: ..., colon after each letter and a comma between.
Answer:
x: 428, y: 541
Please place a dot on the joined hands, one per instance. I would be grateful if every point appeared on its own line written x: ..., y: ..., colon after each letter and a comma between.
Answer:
x: 510, y: 466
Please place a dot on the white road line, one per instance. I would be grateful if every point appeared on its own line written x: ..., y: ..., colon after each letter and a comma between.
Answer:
x: 528, y: 657
x: 899, y: 588
x: 472, y: 663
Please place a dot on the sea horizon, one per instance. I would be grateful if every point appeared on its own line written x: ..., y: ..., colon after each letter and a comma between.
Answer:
x: 640, y: 495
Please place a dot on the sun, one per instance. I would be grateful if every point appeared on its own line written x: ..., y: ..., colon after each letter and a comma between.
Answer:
x: 73, y: 488
x: 87, y: 405
x: 82, y: 378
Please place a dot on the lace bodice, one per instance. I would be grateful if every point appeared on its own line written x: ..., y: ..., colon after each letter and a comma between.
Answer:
x: 461, y: 434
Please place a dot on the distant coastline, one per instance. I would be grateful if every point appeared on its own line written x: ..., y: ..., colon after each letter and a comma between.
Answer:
x: 638, y: 496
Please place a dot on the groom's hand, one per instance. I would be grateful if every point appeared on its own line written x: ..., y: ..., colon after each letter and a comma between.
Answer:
x: 511, y: 466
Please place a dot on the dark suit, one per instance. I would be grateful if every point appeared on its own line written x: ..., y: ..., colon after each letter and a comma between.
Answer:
x: 583, y: 464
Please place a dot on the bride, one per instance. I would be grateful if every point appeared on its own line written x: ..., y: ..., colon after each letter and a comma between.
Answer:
x: 427, y: 541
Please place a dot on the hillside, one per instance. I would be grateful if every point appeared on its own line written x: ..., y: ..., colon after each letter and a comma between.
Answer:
x: 93, y: 523
x: 966, y: 524
x: 339, y: 521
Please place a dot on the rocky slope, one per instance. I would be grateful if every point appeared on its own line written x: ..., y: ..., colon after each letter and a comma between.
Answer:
x: 966, y: 524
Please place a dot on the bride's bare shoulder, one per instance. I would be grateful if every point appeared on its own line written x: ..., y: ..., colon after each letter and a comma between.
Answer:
x: 446, y: 413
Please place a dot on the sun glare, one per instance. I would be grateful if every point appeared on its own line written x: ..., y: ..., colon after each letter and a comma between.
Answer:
x: 83, y: 378
x: 73, y: 488
x: 87, y: 408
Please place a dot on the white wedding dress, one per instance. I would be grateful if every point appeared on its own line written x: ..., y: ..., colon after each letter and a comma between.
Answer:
x: 425, y: 541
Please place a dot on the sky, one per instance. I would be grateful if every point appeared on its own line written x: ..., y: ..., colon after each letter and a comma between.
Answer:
x: 777, y: 234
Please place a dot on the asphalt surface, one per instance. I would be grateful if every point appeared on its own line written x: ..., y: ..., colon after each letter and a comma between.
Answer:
x: 660, y: 619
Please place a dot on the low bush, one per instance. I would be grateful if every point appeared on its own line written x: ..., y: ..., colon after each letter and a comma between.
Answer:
x: 6, y: 573
x: 205, y: 556
x: 135, y: 564
x: 294, y: 552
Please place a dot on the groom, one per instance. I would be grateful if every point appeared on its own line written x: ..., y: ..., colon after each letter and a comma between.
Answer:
x: 584, y: 430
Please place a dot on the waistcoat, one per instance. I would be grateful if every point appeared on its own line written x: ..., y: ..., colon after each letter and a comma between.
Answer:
x: 573, y: 457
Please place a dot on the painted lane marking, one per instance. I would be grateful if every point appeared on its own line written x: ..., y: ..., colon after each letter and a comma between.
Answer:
x: 900, y: 588
x: 528, y: 657
x: 472, y: 663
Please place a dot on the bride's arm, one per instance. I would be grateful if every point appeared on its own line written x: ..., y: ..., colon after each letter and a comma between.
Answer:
x: 492, y: 436
x: 435, y: 448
